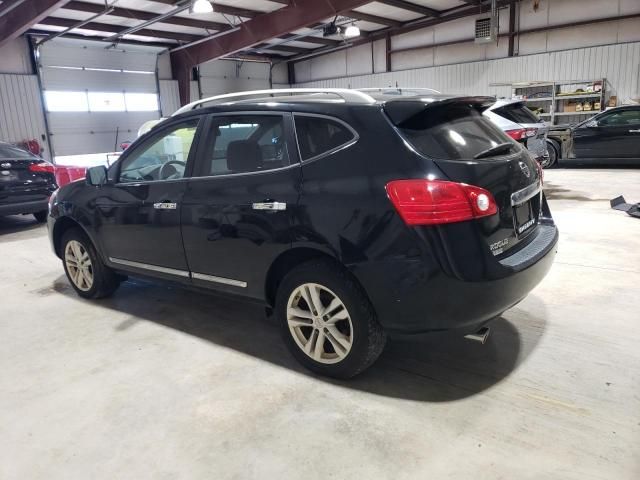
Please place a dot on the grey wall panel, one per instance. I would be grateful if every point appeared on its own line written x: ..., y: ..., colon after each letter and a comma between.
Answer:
x: 97, y: 81
x: 619, y: 64
x: 169, y: 97
x: 226, y: 76
x: 21, y: 113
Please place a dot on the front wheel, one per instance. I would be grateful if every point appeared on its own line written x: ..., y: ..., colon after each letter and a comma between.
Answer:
x: 327, y: 321
x: 88, y: 275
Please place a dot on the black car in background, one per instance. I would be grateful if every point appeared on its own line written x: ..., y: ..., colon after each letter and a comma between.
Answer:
x: 350, y: 217
x: 26, y: 182
x: 608, y: 138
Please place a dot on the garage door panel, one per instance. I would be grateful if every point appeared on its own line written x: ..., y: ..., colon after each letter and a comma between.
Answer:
x: 97, y: 81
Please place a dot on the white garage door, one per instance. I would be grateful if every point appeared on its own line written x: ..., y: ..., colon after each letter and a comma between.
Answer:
x: 97, y: 97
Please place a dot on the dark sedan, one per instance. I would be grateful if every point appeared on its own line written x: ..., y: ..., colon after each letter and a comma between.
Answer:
x: 26, y: 182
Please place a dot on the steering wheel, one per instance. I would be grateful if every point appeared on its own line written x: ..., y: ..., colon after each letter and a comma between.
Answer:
x: 164, y: 172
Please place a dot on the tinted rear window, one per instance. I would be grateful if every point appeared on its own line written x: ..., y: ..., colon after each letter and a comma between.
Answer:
x: 518, y: 113
x: 10, y: 151
x: 452, y: 132
x: 319, y: 135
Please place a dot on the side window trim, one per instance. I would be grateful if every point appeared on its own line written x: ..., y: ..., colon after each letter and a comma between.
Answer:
x: 153, y: 136
x: 347, y: 144
x: 200, y: 165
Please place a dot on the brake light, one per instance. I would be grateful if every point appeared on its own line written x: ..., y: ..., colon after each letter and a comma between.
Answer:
x: 434, y: 202
x: 42, y: 167
x: 517, y: 134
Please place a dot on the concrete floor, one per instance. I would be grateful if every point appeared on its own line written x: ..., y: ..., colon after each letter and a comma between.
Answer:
x: 165, y: 384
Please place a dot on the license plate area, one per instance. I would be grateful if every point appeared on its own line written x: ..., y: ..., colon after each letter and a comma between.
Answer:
x: 525, y: 218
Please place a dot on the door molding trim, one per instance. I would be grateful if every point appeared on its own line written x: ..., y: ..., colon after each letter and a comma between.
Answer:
x: 213, y: 278
x: 146, y: 266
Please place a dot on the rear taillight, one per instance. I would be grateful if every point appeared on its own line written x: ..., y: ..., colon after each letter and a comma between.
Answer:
x: 433, y: 202
x: 531, y: 132
x: 517, y: 134
x: 42, y: 167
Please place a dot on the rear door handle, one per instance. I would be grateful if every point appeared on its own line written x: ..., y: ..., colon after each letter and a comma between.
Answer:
x: 635, y: 131
x: 165, y: 206
x: 269, y: 206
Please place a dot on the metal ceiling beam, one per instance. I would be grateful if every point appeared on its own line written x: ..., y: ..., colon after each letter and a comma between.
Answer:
x: 264, y: 27
x: 8, y: 5
x: 108, y: 28
x: 22, y: 17
x: 144, y: 15
x: 373, y: 18
x: 155, y: 43
x: 180, y: 7
x: 226, y: 9
x: 412, y: 7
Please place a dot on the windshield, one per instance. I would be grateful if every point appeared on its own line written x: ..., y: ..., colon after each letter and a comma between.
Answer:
x: 453, y: 132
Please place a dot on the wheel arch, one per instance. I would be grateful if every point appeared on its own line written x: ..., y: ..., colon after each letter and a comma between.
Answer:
x: 555, y: 144
x: 63, y: 225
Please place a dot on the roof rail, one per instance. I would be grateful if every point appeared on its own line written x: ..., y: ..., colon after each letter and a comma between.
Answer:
x: 348, y: 95
x: 400, y: 90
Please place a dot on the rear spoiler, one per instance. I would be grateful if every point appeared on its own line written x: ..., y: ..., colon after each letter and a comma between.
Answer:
x: 401, y: 109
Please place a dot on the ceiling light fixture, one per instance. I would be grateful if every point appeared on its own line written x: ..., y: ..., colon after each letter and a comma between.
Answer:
x: 201, y: 6
x: 352, y: 31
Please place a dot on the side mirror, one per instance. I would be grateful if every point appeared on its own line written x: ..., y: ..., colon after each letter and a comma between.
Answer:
x: 96, y: 176
x: 591, y: 124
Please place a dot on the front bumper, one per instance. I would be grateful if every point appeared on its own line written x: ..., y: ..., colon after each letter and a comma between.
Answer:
x: 411, y: 298
x: 23, y: 207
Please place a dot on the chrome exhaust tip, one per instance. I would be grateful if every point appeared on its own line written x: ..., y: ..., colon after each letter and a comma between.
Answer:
x: 480, y: 336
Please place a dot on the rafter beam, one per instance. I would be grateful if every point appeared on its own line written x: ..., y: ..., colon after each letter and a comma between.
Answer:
x: 19, y: 19
x: 144, y: 16
x: 263, y: 27
x: 412, y: 7
x: 373, y: 18
x: 108, y: 28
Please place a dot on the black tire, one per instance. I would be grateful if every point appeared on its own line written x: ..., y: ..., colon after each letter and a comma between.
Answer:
x: 553, y: 156
x: 367, y: 336
x: 41, y: 216
x: 105, y: 280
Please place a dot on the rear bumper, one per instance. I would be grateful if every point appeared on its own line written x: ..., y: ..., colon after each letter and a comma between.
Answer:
x: 23, y: 207
x: 412, y: 298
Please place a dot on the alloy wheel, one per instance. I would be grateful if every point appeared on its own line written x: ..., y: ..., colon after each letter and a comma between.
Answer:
x: 319, y: 323
x: 79, y: 265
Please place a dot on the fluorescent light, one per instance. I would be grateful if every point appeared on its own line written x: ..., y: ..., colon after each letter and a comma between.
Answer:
x: 201, y: 6
x: 352, y: 31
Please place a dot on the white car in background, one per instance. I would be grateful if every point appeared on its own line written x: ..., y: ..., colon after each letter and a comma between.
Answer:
x: 521, y: 124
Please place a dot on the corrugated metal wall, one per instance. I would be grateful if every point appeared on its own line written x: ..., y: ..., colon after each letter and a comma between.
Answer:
x: 21, y: 113
x: 619, y: 64
x: 225, y: 76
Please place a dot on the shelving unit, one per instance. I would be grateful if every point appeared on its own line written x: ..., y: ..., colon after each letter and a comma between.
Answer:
x: 556, y: 98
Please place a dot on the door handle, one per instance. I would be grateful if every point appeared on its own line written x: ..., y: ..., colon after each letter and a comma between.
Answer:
x: 269, y: 206
x: 165, y: 206
x: 635, y: 131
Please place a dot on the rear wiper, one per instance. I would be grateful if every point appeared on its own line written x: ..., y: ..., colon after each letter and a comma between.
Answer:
x: 500, y: 148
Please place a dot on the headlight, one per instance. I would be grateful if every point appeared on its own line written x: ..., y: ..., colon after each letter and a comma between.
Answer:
x: 52, y: 199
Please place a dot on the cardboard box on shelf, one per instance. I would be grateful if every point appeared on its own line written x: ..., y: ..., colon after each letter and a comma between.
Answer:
x: 570, y: 107
x: 613, y: 100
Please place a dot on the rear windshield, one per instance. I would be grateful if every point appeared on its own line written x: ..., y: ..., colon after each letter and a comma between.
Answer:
x: 10, y: 151
x: 452, y: 132
x: 517, y: 112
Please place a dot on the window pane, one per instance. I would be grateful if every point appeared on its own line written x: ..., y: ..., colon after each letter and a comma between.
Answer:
x: 66, y: 101
x: 627, y: 117
x: 141, y: 102
x: 164, y: 158
x: 320, y: 135
x: 106, y: 102
x: 518, y: 113
x: 247, y: 143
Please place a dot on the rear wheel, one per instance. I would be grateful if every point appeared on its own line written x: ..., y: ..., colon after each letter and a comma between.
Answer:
x: 327, y: 320
x: 553, y: 156
x: 41, y: 216
x: 86, y: 272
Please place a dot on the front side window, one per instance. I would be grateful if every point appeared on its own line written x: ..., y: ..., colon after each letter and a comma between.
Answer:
x: 164, y: 158
x: 320, y: 135
x: 246, y: 143
x: 620, y: 119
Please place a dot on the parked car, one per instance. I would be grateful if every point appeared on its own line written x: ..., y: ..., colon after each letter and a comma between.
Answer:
x: 26, y: 182
x: 611, y: 137
x: 520, y: 123
x: 349, y: 219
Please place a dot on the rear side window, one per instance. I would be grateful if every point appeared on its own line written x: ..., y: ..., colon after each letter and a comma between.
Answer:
x: 320, y: 135
x: 518, y: 113
x: 452, y: 132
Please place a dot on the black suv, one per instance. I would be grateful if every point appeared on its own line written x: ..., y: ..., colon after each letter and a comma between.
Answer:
x: 351, y: 215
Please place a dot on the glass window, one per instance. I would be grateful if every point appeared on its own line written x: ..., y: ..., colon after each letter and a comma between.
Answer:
x: 518, y: 113
x: 106, y: 102
x: 141, y: 102
x: 247, y: 143
x: 11, y: 151
x: 620, y: 119
x: 452, y: 132
x: 318, y: 135
x: 58, y: 101
x: 164, y: 158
